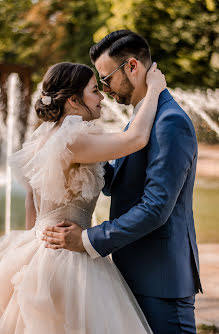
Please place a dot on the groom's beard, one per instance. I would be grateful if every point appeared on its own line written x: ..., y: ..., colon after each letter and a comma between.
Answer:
x: 125, y: 92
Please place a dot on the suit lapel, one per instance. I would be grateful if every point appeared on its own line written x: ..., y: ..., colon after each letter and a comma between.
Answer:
x: 118, y: 166
x: 164, y: 97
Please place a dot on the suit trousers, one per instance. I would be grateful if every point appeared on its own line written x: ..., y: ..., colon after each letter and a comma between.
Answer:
x: 168, y: 315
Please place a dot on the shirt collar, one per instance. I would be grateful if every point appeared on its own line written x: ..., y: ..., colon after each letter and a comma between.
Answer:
x: 135, y: 110
x: 138, y: 106
x: 164, y: 97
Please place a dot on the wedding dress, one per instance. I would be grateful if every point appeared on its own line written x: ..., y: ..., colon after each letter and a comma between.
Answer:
x: 50, y: 291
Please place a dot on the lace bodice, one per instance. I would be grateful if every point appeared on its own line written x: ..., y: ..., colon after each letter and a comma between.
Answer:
x: 46, y: 164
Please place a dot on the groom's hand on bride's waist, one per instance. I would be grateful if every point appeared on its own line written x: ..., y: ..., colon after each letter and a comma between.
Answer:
x: 66, y: 234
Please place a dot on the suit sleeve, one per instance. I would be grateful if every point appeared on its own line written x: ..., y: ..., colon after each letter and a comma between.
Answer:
x: 171, y: 154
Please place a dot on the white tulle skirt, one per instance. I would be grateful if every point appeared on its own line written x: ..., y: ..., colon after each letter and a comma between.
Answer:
x: 62, y: 292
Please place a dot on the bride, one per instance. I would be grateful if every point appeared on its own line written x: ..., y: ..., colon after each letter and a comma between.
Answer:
x: 46, y: 291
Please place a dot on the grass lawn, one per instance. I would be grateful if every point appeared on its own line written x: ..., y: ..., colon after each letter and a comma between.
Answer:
x: 207, y: 330
x: 205, y: 205
x: 206, y: 212
x: 17, y: 212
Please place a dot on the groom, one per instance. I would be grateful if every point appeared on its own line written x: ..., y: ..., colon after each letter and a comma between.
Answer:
x: 151, y: 232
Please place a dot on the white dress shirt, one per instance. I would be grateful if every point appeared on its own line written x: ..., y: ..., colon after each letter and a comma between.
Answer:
x: 85, y: 239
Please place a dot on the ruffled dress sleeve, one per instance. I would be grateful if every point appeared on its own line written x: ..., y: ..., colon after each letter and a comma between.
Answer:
x: 52, y: 171
x: 22, y: 157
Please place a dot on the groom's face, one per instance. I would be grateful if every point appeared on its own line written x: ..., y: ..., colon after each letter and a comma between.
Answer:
x: 120, y: 86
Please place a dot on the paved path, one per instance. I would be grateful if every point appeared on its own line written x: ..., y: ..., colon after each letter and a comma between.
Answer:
x: 207, y: 305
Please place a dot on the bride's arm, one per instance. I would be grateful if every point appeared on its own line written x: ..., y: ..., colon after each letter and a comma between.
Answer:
x: 96, y: 148
x: 30, y: 211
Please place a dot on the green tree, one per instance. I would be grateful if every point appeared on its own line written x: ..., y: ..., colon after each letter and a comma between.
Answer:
x: 49, y: 31
x: 11, y: 19
x: 183, y: 36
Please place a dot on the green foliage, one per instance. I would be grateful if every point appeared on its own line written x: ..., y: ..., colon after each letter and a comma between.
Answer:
x: 182, y: 34
x: 183, y: 39
x: 204, y: 329
x: 50, y: 31
x: 11, y: 20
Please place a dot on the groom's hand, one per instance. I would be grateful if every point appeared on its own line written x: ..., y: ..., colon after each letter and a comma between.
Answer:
x: 64, y: 235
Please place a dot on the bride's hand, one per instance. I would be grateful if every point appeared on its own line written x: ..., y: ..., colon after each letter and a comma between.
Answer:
x: 156, y: 79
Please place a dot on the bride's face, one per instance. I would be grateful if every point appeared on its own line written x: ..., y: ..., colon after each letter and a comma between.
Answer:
x: 92, y: 98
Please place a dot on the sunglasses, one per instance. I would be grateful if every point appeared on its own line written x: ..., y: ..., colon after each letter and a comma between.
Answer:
x: 103, y: 80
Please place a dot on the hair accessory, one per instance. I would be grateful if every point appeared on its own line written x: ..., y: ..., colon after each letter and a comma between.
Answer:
x: 46, y: 100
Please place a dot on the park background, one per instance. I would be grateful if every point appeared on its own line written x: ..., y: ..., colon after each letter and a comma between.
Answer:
x: 183, y: 36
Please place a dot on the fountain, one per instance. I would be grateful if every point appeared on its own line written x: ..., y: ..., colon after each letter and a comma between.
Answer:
x: 203, y: 110
x: 13, y: 99
x: 14, y: 107
x: 201, y: 106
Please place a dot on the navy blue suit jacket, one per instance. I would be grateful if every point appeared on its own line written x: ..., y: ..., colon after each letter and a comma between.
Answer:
x: 151, y: 232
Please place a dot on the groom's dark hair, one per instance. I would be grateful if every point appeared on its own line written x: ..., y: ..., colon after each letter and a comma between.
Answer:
x: 122, y: 44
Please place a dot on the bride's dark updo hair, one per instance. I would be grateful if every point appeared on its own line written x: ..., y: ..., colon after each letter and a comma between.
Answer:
x: 60, y: 82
